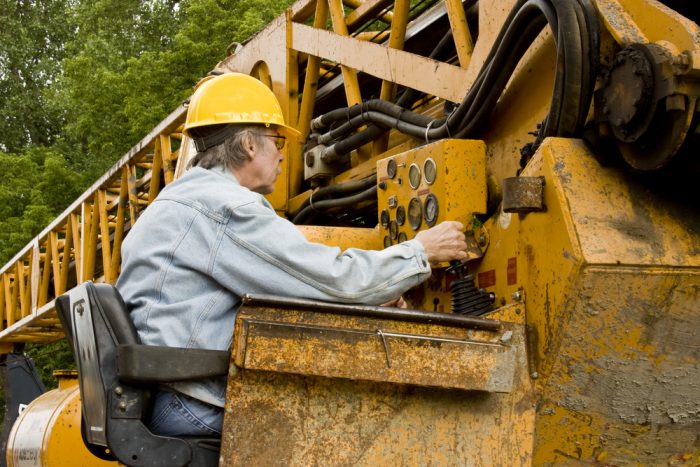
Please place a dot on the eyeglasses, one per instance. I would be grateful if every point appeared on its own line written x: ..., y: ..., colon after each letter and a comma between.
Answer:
x: 280, y: 141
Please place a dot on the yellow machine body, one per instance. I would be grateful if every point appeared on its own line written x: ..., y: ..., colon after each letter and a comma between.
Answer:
x: 47, y: 432
x: 596, y: 356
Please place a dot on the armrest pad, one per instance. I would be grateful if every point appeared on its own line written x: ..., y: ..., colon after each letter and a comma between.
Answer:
x: 156, y: 364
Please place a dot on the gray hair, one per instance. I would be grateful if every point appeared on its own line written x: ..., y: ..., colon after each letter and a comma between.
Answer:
x: 230, y: 153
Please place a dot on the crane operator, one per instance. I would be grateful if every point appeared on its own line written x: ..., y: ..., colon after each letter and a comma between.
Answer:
x: 211, y: 237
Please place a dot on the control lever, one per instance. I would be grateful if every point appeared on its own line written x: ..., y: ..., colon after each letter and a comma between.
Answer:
x: 466, y: 298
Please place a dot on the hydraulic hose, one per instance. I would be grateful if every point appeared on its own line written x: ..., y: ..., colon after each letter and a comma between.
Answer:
x: 373, y: 131
x: 331, y: 191
x: 575, y: 29
x: 307, y: 212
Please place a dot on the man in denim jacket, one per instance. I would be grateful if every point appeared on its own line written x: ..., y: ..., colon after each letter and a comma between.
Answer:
x: 211, y: 236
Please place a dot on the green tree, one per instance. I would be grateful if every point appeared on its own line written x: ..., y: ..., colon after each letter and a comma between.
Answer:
x: 35, y: 186
x: 31, y: 49
x: 93, y: 89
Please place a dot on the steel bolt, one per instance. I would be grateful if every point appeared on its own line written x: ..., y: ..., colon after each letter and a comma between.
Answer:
x: 118, y: 391
x: 516, y: 296
x: 682, y: 60
x: 122, y: 406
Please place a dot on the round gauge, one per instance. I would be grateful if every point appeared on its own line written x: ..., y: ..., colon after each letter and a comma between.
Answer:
x: 429, y: 171
x: 384, y: 218
x: 414, y: 176
x: 402, y: 237
x: 431, y: 210
x: 415, y: 213
x: 391, y: 168
x: 393, y: 230
x: 400, y: 215
x: 387, y: 241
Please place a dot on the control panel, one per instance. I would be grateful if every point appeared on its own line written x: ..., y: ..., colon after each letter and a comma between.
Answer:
x: 420, y: 188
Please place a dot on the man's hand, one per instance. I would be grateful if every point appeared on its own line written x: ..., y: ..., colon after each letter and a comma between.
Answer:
x: 396, y: 303
x: 444, y: 242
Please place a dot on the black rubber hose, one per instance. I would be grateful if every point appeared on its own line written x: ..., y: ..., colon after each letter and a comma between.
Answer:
x: 575, y: 28
x: 455, y: 120
x: 479, y: 101
x: 406, y: 99
x: 377, y: 105
x: 526, y: 26
x: 590, y: 31
x: 331, y: 191
x: 569, y: 69
x: 307, y: 212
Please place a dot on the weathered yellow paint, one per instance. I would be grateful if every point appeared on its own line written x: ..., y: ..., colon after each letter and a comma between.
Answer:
x: 352, y: 421
x: 635, y: 21
x: 375, y: 350
x: 343, y: 237
x: 47, y: 432
x: 605, y: 279
x: 610, y: 282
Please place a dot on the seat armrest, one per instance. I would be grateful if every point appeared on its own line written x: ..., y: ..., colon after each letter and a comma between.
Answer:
x: 139, y: 363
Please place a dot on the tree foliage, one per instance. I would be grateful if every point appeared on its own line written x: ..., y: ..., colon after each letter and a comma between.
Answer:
x: 30, y: 61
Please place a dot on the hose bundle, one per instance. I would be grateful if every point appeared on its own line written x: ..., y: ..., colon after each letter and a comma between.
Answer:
x: 334, y: 196
x: 575, y: 28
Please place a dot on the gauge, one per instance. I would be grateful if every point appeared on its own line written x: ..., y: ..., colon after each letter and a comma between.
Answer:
x: 415, y: 213
x: 384, y: 218
x: 431, y: 209
x: 429, y: 171
x: 393, y: 230
x: 400, y: 215
x: 402, y: 237
x: 391, y: 168
x: 387, y: 241
x: 414, y: 176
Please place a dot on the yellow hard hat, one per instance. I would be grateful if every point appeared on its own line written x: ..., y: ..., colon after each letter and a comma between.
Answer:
x: 235, y: 98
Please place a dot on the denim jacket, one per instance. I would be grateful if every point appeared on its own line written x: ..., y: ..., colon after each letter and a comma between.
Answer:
x: 206, y: 240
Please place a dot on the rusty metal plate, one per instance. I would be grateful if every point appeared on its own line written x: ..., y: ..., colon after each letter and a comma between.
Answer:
x: 354, y: 347
x: 523, y: 194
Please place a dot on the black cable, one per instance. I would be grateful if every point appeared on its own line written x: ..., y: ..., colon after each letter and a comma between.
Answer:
x: 406, y: 100
x: 576, y: 32
x: 307, y: 212
x: 331, y: 191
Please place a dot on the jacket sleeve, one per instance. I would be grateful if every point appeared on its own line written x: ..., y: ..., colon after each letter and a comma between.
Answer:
x: 261, y: 252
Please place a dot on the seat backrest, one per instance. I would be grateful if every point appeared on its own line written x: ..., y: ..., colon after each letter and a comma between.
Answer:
x: 84, y: 315
x: 96, y: 321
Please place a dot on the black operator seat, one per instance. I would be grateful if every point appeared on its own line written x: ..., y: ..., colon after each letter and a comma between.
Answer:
x: 118, y: 376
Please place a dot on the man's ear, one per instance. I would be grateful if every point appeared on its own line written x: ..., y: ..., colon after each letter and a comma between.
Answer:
x: 249, y: 145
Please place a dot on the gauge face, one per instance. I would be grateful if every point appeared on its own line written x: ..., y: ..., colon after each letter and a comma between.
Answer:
x: 387, y: 241
x: 431, y: 209
x: 414, y: 176
x: 402, y: 237
x: 393, y: 230
x: 384, y: 218
x: 429, y: 171
x: 400, y: 215
x: 391, y: 168
x: 415, y: 213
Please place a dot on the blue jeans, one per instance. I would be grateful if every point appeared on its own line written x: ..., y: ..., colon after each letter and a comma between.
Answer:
x: 175, y: 414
